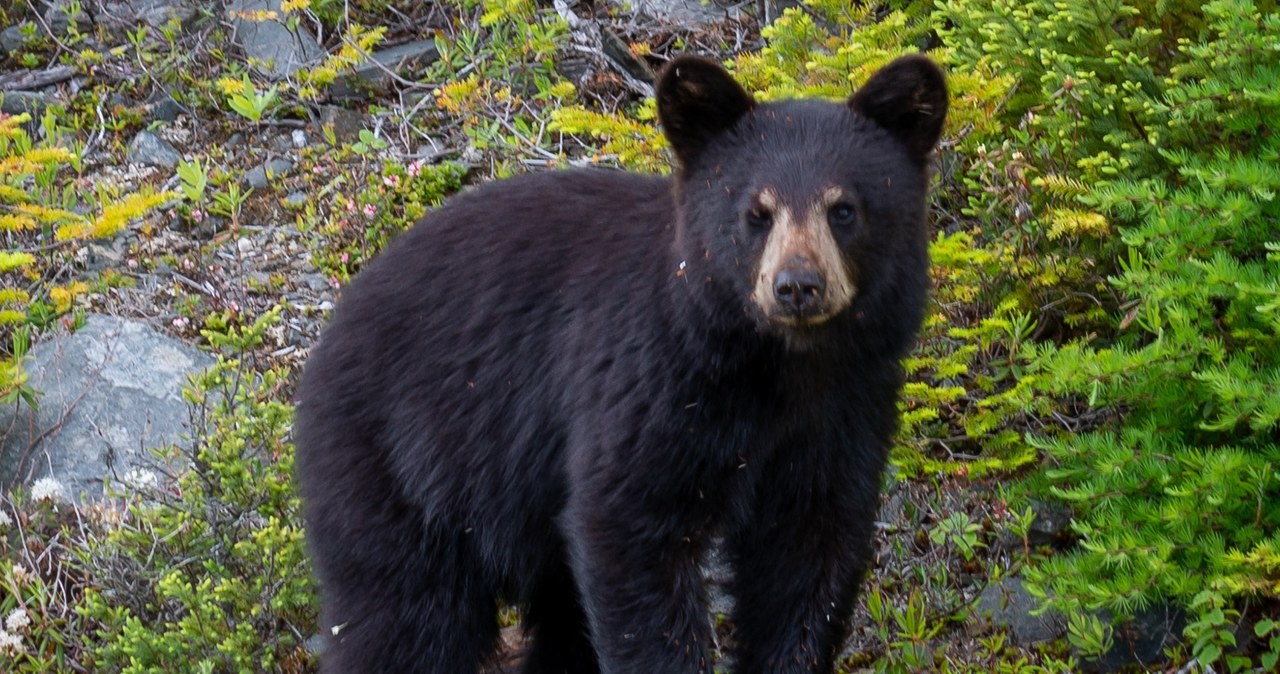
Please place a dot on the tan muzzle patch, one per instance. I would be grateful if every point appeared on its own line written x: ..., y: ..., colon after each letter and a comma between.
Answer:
x: 802, y: 278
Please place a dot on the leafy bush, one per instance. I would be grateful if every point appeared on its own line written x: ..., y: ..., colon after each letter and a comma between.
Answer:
x: 209, y: 574
x: 1150, y: 184
x: 393, y: 197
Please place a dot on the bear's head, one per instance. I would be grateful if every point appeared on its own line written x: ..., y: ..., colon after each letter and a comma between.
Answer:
x: 805, y: 213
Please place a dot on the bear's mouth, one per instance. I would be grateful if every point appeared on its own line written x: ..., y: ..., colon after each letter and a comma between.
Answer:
x: 803, y: 321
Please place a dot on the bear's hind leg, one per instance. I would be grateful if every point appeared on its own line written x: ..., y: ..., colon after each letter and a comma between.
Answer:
x: 398, y: 595
x: 558, y: 627
x: 428, y: 618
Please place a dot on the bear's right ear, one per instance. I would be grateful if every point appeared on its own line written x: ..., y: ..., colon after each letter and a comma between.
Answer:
x: 907, y: 98
x: 698, y: 100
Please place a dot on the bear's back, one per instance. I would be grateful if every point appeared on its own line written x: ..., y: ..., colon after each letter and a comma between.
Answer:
x: 467, y: 315
x: 526, y: 252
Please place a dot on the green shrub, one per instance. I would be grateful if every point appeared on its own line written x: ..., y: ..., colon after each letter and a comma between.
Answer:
x: 1151, y: 175
x: 393, y: 197
x: 209, y: 574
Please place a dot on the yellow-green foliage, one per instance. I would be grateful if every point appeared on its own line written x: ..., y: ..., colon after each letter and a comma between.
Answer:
x: 32, y: 204
x: 357, y: 44
x: 633, y: 140
x: 500, y: 84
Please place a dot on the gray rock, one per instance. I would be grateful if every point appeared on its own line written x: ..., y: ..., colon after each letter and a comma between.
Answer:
x: 104, y: 254
x: 295, y: 199
x: 372, y: 75
x: 718, y: 576
x: 1140, y: 642
x: 163, y: 108
x: 1010, y: 605
x: 60, y: 19
x: 299, y: 138
x: 280, y: 51
x: 18, y: 102
x: 315, y: 282
x: 690, y: 14
x: 1051, y: 526
x: 346, y: 124
x: 12, y: 38
x: 152, y: 150
x: 260, y: 177
x: 127, y: 14
x: 108, y: 393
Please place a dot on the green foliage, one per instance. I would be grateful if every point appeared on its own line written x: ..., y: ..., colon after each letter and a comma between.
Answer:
x: 634, y: 141
x: 1089, y: 634
x: 193, y: 180
x: 906, y: 630
x: 393, y: 197
x: 250, y: 103
x: 1144, y: 175
x: 210, y: 574
x: 500, y: 85
x: 960, y: 532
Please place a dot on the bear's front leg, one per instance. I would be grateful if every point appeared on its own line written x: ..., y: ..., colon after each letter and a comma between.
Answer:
x: 799, y: 563
x: 635, y: 552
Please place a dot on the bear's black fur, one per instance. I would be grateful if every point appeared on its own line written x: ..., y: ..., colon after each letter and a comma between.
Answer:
x: 556, y: 390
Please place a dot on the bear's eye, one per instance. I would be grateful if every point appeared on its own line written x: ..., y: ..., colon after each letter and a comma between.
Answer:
x: 759, y: 218
x: 842, y: 215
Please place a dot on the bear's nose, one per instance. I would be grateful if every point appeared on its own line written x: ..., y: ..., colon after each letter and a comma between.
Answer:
x: 799, y: 289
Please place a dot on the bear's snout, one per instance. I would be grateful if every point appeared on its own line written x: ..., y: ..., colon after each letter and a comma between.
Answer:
x: 803, y: 278
x: 800, y: 288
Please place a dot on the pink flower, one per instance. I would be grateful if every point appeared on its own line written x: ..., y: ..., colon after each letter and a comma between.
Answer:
x: 346, y: 257
x: 197, y: 214
x: 391, y: 181
x: 370, y: 209
x: 334, y: 282
x: 351, y: 207
x: 415, y: 168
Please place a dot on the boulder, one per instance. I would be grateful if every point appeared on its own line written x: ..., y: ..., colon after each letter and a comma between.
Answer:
x: 279, y: 51
x: 108, y: 393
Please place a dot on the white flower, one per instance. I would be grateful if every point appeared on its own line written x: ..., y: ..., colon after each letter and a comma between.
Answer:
x: 5, y: 520
x: 10, y: 643
x: 21, y: 575
x: 140, y: 479
x: 46, y: 489
x: 17, y: 620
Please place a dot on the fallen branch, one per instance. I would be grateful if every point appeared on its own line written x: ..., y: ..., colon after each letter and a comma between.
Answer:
x: 31, y: 80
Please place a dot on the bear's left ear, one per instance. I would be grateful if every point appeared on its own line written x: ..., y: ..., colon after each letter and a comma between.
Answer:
x: 907, y: 98
x: 698, y: 100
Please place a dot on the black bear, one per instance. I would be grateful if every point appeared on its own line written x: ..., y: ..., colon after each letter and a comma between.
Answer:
x: 556, y: 392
